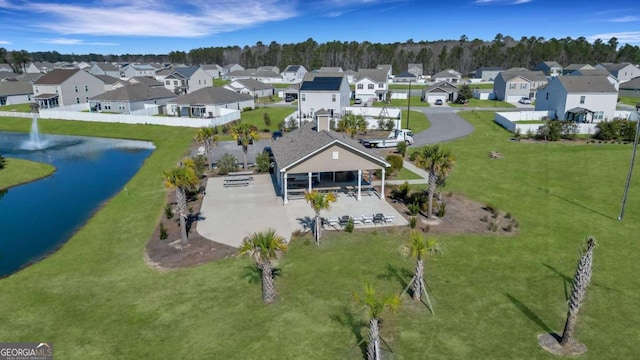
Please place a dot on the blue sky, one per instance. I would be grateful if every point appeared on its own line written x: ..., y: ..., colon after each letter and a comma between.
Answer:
x: 161, y: 26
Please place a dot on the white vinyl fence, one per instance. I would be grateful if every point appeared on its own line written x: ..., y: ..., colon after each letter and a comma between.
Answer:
x: 510, y: 120
x: 15, y: 114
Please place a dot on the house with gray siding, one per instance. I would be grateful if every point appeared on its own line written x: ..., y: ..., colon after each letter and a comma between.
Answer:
x: 449, y: 75
x: 129, y: 98
x: 133, y: 70
x: 631, y: 88
x: 514, y: 84
x: 105, y: 69
x: 206, y: 101
x: 622, y: 71
x: 415, y: 69
x: 214, y: 70
x: 443, y: 90
x: 15, y: 92
x: 184, y: 80
x: 293, y: 74
x: 549, y: 68
x: 579, y: 98
x: 252, y: 87
x: 488, y: 73
x: 62, y: 87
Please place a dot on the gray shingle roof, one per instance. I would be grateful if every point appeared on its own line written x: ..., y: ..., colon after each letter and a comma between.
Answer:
x: 590, y: 72
x: 8, y: 88
x: 212, y: 96
x: 443, y: 85
x: 611, y: 67
x: 405, y: 74
x: 551, y: 64
x: 328, y: 69
x: 107, y: 79
x: 305, y: 141
x: 253, y: 84
x: 187, y: 72
x: 446, y: 74
x: 580, y: 84
x: 633, y: 84
x: 135, y: 92
x: 254, y: 73
x: 107, y: 66
x: 573, y: 67
x: 56, y: 76
x: 536, y: 76
x: 377, y: 75
x: 145, y: 81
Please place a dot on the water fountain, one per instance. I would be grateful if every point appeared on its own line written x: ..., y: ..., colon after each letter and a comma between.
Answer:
x: 35, y: 142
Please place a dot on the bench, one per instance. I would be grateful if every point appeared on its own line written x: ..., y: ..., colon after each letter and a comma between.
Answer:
x: 237, y: 181
x: 244, y: 174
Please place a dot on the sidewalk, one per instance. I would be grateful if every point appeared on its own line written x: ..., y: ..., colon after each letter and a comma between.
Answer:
x: 409, y: 166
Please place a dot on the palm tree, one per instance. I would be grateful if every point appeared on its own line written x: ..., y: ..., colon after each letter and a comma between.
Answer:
x: 181, y: 179
x: 421, y: 249
x: 208, y: 140
x: 264, y: 247
x: 351, y: 124
x: 375, y: 306
x: 319, y: 202
x: 439, y: 163
x: 244, y: 134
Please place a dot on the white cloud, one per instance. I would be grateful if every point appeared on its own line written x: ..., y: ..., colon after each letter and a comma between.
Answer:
x: 4, y: 42
x: 623, y: 37
x: 625, y: 19
x: 67, y: 41
x: 157, y: 18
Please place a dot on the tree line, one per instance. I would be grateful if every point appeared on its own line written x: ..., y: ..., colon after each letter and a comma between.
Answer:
x: 463, y: 54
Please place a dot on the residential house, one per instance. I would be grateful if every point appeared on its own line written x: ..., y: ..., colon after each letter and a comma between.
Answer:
x: 630, y: 88
x: 451, y: 76
x: 39, y: 67
x: 105, y: 69
x: 387, y: 68
x: 293, y: 74
x: 513, y: 84
x: 324, y: 91
x: 573, y: 67
x: 82, y: 65
x: 231, y: 68
x: 290, y: 92
x: 622, y: 71
x: 405, y: 77
x: 206, y: 101
x: 110, y: 82
x: 328, y: 69
x: 443, y: 90
x: 61, y: 87
x: 6, y: 68
x: 315, y: 148
x: 252, y: 87
x: 162, y: 74
x: 130, y: 98
x: 8, y: 76
x: 371, y: 85
x: 15, y: 92
x: 597, y: 72
x: 147, y: 81
x: 274, y: 69
x: 265, y: 76
x: 214, y: 70
x: 415, y: 69
x: 30, y: 78
x: 549, y: 68
x: 134, y: 70
x: 184, y: 80
x: 488, y: 73
x: 579, y: 98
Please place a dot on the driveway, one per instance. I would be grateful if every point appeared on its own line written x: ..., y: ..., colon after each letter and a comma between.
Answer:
x: 446, y: 125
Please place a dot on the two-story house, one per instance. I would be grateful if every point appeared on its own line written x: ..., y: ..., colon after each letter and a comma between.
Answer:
x: 549, y: 68
x: 62, y: 87
x: 579, y: 98
x: 372, y: 84
x: 622, y: 71
x: 488, y: 73
x: 293, y: 74
x: 324, y: 91
x: 387, y: 68
x: 214, y: 70
x: 451, y: 76
x: 133, y: 70
x: 105, y: 69
x: 39, y: 67
x: 514, y: 84
x: 415, y: 69
x: 573, y: 67
x: 184, y: 80
x: 231, y: 68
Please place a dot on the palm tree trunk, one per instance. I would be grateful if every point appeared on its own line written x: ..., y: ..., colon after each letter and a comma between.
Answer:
x: 318, y: 223
x: 373, y: 348
x: 268, y: 288
x: 417, y: 280
x: 209, y: 151
x: 432, y: 189
x: 245, y: 149
x: 580, y: 283
x: 181, y: 200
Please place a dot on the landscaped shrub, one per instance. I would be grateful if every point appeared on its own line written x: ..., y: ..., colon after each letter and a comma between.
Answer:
x: 413, y: 221
x: 199, y: 165
x: 227, y: 164
x: 442, y: 210
x: 263, y: 162
x: 168, y: 211
x: 569, y: 130
x: 163, y: 232
x: 401, y: 148
x: 414, y: 208
x: 413, y: 156
x: 419, y: 197
x: 348, y: 227
x: 395, y: 161
x: 400, y: 192
x: 616, y: 129
x: 550, y: 131
x: 267, y: 119
x: 248, y: 108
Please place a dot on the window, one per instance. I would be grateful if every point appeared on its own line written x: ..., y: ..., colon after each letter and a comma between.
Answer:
x: 512, y: 86
x: 86, y: 88
x: 75, y: 88
x: 302, y: 97
x: 370, y: 86
x: 333, y: 97
x: 199, y: 82
x: 78, y: 100
x: 120, y: 106
x: 167, y: 82
x: 547, y: 97
x: 28, y: 97
x: 582, y: 99
x: 107, y: 106
x: 523, y: 86
x: 175, y: 82
x: 360, y: 86
x: 86, y: 98
x: 598, y: 115
x: 381, y: 85
x: 36, y: 90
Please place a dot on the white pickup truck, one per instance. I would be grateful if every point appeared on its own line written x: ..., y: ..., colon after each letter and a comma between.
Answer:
x: 395, y: 136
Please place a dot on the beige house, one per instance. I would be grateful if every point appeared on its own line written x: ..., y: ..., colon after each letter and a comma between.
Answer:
x: 62, y: 87
x: 313, y: 154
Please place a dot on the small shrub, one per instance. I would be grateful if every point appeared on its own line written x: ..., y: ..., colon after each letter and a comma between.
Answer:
x: 263, y: 162
x: 227, y: 164
x: 348, y: 227
x: 163, y: 232
x: 509, y: 228
x: 413, y: 221
x: 414, y: 208
x: 507, y: 215
x: 267, y: 119
x: 413, y: 156
x: 168, y: 211
x: 442, y: 210
x: 401, y: 148
x: 248, y: 108
x: 400, y: 192
x: 395, y: 161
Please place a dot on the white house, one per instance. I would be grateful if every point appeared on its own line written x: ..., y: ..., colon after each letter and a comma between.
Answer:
x: 265, y: 76
x: 443, y: 91
x: 110, y: 82
x: 62, y: 87
x: 549, y: 68
x: 293, y: 74
x: 387, y: 68
x: 371, y: 84
x: 324, y: 91
x: 184, y: 80
x: 39, y: 67
x: 330, y: 69
x: 104, y: 69
x: 15, y: 92
x: 206, y: 102
x: 415, y: 69
x: 231, y: 68
x: 449, y: 75
x: 6, y: 68
x: 513, y: 84
x: 622, y: 71
x: 133, y: 70
x: 579, y: 98
x: 130, y: 98
x: 252, y: 87
x: 214, y: 70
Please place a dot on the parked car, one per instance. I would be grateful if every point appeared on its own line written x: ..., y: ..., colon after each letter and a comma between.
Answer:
x: 525, y: 100
x: 289, y: 98
x: 357, y: 101
x: 438, y: 102
x: 276, y: 135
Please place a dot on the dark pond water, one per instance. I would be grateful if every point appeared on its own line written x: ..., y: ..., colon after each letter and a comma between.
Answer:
x: 37, y: 218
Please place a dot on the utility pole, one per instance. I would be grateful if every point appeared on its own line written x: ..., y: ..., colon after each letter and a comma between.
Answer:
x: 409, y: 105
x: 633, y: 159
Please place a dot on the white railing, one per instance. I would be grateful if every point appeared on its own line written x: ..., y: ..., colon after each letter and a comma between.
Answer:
x: 16, y: 114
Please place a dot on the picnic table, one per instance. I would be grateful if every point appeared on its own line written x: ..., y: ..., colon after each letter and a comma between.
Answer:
x: 237, y: 181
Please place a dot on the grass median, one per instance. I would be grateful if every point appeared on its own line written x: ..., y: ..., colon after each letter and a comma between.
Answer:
x: 18, y: 171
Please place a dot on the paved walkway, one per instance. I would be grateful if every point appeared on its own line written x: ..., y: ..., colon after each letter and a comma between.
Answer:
x: 446, y: 125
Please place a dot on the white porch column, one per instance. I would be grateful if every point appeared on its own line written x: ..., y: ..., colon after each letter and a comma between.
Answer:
x: 370, y: 177
x: 310, y: 181
x: 359, y: 184
x: 382, y: 186
x: 284, y: 184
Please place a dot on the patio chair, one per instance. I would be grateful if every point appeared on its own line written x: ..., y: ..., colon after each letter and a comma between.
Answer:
x: 333, y: 222
x: 344, y: 220
x: 378, y: 218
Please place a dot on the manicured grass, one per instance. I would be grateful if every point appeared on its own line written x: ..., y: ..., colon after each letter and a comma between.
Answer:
x: 415, y: 101
x: 220, y: 82
x: 406, y: 174
x: 281, y: 85
x: 417, y: 120
x: 629, y: 100
x: 484, y: 104
x: 481, y: 86
x: 406, y: 86
x: 492, y: 295
x: 256, y: 117
x: 17, y: 107
x: 18, y: 171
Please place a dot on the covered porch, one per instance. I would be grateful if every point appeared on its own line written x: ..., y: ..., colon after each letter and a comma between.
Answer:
x: 353, y: 184
x: 47, y: 101
x: 579, y: 114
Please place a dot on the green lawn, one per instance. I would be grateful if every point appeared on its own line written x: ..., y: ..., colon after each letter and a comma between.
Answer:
x: 415, y: 101
x: 220, y: 82
x: 417, y: 121
x: 405, y: 174
x: 256, y: 117
x: 406, y: 86
x: 484, y: 104
x: 95, y: 297
x: 481, y: 86
x: 18, y: 171
x: 629, y: 100
x: 17, y: 107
